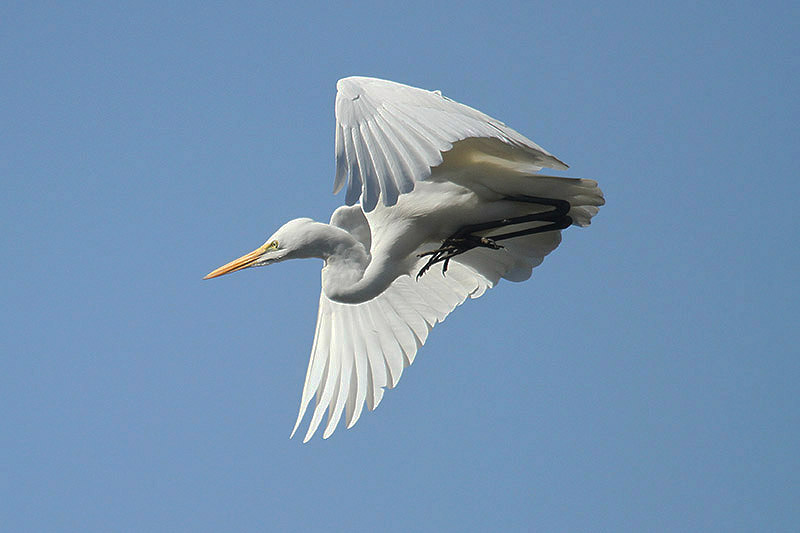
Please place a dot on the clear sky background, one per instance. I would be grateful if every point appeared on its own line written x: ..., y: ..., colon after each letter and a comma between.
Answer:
x: 644, y: 379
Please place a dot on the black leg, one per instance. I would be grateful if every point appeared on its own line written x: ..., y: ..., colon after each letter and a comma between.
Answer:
x: 465, y: 239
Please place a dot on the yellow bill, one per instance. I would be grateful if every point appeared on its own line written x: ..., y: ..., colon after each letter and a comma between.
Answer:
x: 237, y: 264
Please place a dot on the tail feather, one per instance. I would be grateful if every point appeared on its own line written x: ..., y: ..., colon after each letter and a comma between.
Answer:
x: 497, y: 170
x: 584, y: 195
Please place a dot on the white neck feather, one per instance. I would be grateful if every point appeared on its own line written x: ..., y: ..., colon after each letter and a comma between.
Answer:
x: 351, y: 274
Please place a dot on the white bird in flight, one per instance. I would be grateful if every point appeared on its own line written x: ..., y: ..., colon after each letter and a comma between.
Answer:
x: 430, y: 182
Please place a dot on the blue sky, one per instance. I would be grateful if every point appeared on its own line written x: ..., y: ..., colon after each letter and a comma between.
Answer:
x: 645, y: 378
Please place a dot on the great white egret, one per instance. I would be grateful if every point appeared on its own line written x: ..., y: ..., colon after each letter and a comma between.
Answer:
x: 429, y: 181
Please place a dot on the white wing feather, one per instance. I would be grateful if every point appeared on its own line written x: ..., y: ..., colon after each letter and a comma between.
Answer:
x: 389, y: 135
x: 364, y: 348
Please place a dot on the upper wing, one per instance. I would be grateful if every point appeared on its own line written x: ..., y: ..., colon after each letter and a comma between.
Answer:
x: 360, y: 349
x: 389, y: 135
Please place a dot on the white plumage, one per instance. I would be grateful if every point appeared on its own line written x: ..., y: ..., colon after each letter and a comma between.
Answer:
x: 419, y: 168
x: 389, y: 136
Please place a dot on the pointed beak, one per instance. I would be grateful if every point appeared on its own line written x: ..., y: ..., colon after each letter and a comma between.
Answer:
x: 237, y: 264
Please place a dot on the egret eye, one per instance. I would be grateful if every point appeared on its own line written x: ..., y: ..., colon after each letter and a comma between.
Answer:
x: 274, y: 244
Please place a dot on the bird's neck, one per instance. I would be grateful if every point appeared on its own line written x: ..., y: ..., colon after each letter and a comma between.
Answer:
x: 351, y: 274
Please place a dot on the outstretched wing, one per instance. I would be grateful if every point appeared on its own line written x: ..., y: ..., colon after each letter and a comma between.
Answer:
x: 389, y: 135
x: 360, y: 349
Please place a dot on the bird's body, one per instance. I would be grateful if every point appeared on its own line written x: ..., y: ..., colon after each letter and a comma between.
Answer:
x: 428, y: 214
x: 430, y: 181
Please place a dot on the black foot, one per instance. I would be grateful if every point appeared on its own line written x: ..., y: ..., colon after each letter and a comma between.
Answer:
x: 453, y: 246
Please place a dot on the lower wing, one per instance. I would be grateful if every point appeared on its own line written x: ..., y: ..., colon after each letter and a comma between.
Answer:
x: 360, y: 349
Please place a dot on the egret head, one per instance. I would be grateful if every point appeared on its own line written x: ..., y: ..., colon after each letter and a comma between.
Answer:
x: 288, y: 242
